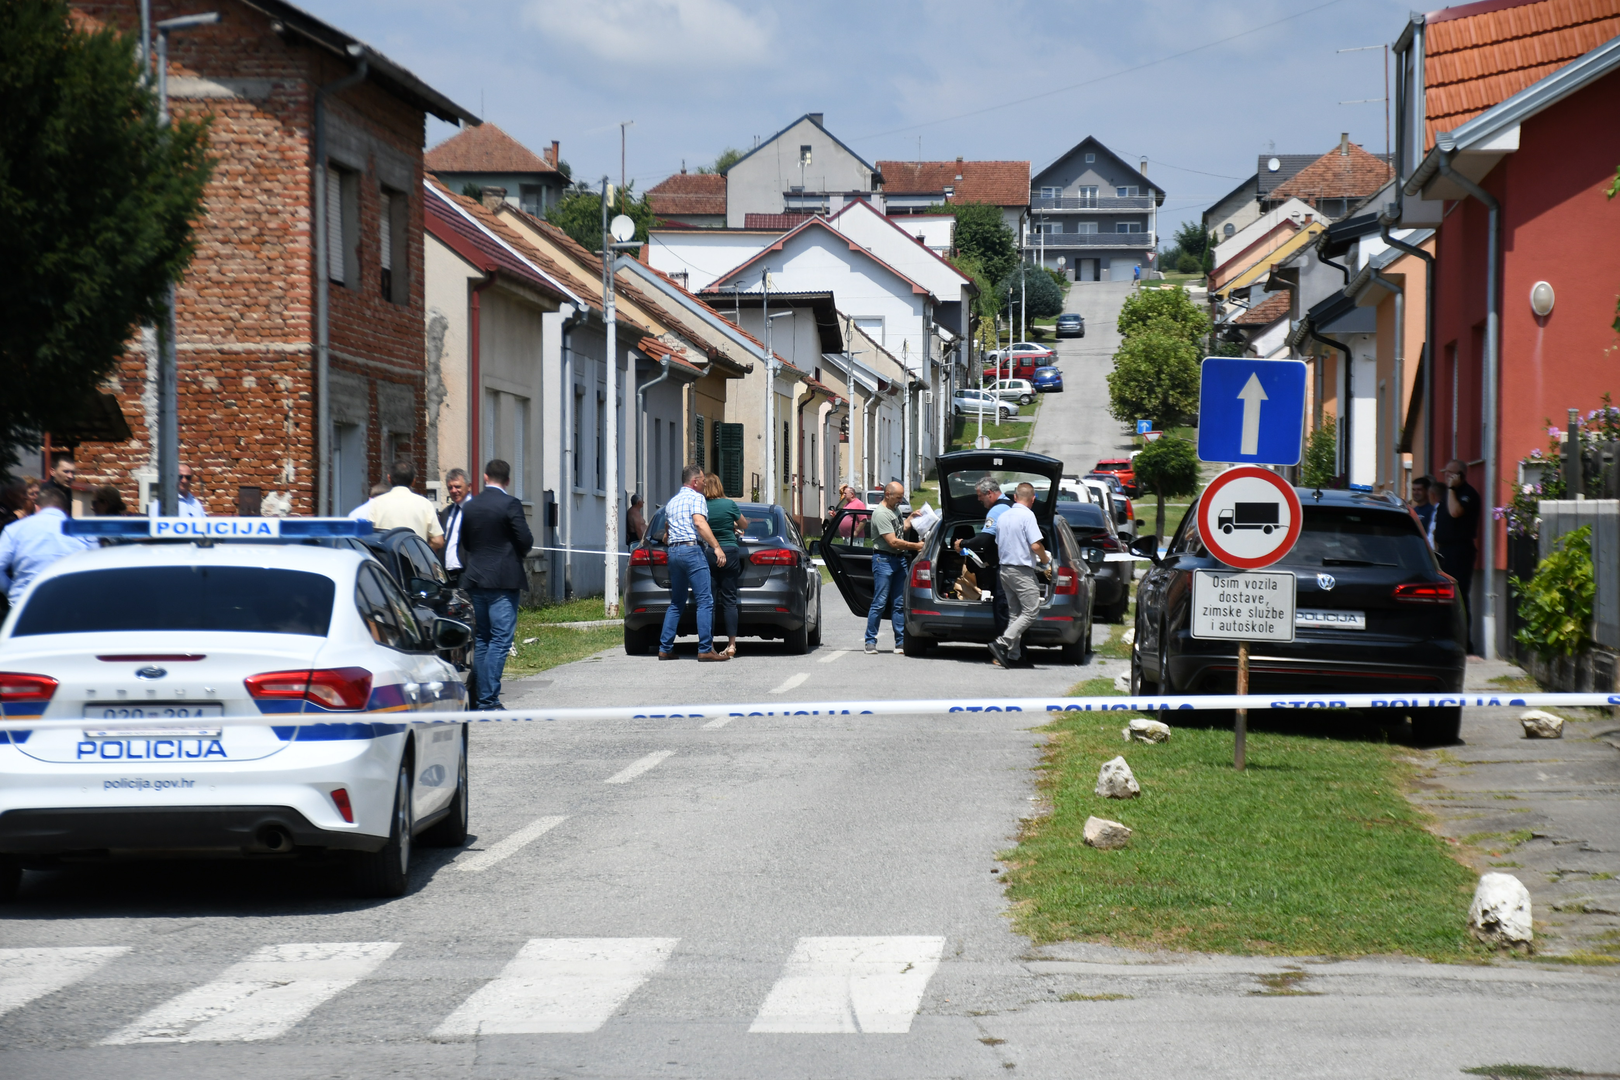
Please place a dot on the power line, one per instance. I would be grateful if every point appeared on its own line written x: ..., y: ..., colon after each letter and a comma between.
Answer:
x: 1100, y: 78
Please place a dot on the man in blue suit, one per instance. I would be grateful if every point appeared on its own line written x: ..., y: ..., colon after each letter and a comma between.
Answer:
x: 494, y: 539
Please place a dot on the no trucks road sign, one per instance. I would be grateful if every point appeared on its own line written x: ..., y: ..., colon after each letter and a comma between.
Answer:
x: 1249, y: 517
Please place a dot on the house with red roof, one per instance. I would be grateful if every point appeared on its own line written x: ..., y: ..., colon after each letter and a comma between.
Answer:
x: 487, y: 159
x: 913, y: 187
x: 1093, y: 215
x: 694, y: 199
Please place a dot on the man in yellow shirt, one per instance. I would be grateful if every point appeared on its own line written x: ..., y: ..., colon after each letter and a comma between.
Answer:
x: 399, y: 505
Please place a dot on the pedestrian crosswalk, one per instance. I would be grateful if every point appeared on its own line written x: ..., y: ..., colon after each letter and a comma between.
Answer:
x: 826, y: 985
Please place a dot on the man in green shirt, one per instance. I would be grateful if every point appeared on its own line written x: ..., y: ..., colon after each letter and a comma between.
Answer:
x: 889, y: 551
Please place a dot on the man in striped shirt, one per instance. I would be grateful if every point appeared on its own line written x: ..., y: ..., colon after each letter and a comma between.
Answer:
x: 686, y: 519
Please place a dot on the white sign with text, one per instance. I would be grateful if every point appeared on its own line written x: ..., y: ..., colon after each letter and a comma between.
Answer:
x: 1243, y: 605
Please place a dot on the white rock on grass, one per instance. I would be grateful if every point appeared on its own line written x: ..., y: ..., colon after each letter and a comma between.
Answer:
x: 1129, y: 636
x: 1539, y: 724
x: 1116, y: 781
x: 1122, y: 683
x: 1148, y: 731
x: 1105, y: 834
x: 1500, y: 913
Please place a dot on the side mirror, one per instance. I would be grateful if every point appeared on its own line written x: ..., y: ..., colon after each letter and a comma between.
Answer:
x: 1095, y: 556
x: 1146, y: 547
x: 449, y: 634
x: 813, y: 547
x: 424, y: 589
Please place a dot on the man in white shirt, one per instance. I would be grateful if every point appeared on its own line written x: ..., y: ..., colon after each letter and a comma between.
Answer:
x: 1020, y: 550
x: 32, y: 544
x: 400, y: 506
x: 457, y: 486
x: 187, y: 504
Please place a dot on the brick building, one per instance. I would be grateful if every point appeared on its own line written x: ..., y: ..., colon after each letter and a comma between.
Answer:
x: 247, y: 313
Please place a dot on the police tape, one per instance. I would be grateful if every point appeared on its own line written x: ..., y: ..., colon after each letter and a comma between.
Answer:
x: 1035, y: 706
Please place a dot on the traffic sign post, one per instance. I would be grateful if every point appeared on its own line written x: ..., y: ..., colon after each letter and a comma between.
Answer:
x: 1249, y: 518
x: 1144, y: 426
x: 1251, y: 411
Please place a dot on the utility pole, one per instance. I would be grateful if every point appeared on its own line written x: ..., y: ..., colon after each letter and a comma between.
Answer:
x: 610, y: 437
x: 770, y: 388
x: 622, y: 127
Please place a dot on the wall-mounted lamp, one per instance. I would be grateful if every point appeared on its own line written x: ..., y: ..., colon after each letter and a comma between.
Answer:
x: 1541, y: 299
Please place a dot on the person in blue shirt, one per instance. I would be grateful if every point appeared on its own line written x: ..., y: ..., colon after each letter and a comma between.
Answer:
x: 31, y: 545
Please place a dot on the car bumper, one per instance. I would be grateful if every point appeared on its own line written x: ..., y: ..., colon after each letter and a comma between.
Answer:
x: 950, y: 620
x: 1316, y: 666
x: 768, y: 610
x: 190, y: 830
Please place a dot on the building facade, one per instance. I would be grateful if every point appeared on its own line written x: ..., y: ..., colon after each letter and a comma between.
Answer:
x: 1093, y: 215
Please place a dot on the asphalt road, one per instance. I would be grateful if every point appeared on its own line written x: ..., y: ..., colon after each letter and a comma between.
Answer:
x: 1074, y: 425
x: 768, y: 897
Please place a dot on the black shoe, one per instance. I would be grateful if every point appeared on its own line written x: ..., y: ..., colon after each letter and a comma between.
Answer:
x: 1000, y: 654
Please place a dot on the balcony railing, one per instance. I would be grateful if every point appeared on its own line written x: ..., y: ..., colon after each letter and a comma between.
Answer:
x: 1090, y: 240
x: 1091, y: 202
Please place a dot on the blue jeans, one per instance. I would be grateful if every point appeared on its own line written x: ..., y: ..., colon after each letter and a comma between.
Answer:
x: 688, y: 570
x: 888, y: 584
x: 496, y: 612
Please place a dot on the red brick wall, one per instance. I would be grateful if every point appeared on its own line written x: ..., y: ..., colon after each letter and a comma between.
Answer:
x: 246, y: 312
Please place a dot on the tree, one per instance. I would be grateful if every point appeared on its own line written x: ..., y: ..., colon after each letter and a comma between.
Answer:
x: 579, y: 214
x: 728, y: 157
x: 1167, y: 467
x: 982, y: 234
x: 1192, y: 239
x: 1155, y: 377
x: 1169, y: 306
x: 97, y: 204
x: 1321, y: 465
x: 1033, y: 285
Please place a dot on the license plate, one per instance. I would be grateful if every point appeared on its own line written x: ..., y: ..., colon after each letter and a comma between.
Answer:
x: 1330, y: 620
x: 152, y: 710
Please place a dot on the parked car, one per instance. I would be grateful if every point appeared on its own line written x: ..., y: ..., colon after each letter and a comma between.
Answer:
x: 1373, y: 614
x: 1093, y: 528
x: 1070, y: 324
x: 1119, y: 507
x: 1019, y: 390
x: 1017, y: 361
x: 875, y: 496
x: 1048, y: 380
x: 1020, y: 350
x: 779, y: 593
x: 1124, y: 468
x: 977, y: 403
x: 941, y: 604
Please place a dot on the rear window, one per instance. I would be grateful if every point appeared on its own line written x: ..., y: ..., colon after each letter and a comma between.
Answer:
x: 1083, y: 515
x: 242, y: 599
x: 1334, y: 537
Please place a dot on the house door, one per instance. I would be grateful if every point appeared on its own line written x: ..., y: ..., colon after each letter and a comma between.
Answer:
x: 1088, y: 270
x: 349, y: 466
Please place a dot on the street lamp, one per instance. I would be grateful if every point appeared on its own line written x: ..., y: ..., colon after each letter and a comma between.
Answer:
x: 168, y: 365
x: 622, y: 230
x: 770, y: 399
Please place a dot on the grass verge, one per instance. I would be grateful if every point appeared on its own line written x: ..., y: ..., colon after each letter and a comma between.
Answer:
x: 1312, y: 851
x: 541, y: 645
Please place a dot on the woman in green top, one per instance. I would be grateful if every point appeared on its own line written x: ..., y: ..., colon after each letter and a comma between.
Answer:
x: 726, y: 522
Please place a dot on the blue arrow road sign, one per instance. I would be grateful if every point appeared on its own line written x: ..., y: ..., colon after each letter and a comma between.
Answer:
x: 1251, y: 410
x: 1144, y: 426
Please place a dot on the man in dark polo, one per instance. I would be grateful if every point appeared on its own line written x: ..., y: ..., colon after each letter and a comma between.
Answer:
x: 1456, y: 526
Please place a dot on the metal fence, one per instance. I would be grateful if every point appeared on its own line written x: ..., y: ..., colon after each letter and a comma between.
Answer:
x: 1560, y: 517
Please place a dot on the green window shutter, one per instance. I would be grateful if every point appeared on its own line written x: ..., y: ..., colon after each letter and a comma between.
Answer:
x: 729, y: 445
x: 698, y: 456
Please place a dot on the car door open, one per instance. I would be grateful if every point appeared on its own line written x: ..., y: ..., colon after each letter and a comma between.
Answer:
x: 846, y: 547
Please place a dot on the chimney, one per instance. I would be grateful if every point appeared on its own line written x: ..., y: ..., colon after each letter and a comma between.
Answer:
x: 556, y: 153
x: 815, y: 118
x: 492, y: 197
x: 1344, y: 144
x: 959, y: 159
x: 1143, y: 170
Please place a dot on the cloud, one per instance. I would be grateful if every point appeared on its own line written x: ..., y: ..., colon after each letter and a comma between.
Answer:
x: 682, y: 34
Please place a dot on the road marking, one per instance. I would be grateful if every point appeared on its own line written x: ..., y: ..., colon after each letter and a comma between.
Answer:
x: 850, y: 984
x: 718, y: 722
x: 483, y: 860
x: 261, y: 997
x: 834, y: 655
x: 635, y: 769
x: 792, y: 680
x: 560, y: 985
x: 26, y: 974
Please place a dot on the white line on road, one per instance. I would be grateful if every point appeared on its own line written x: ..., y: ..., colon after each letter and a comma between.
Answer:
x: 843, y: 985
x: 26, y: 974
x: 560, y: 985
x: 718, y: 722
x: 635, y: 769
x: 792, y: 680
x: 260, y: 998
x: 834, y: 655
x: 483, y: 860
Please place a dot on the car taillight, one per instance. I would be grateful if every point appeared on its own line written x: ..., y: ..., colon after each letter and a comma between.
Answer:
x: 331, y: 688
x: 1426, y: 592
x: 1068, y: 583
x: 17, y: 687
x: 922, y: 574
x: 1109, y: 542
x: 340, y: 799
x: 649, y: 557
x: 775, y: 557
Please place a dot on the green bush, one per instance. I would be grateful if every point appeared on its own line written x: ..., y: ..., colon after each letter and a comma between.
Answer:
x: 1556, y: 604
x: 1321, y: 456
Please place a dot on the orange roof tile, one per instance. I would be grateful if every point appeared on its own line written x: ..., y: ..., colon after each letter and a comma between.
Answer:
x: 1001, y: 183
x: 1479, y: 55
x: 689, y: 193
x: 1274, y: 307
x: 484, y: 149
x: 1335, y: 175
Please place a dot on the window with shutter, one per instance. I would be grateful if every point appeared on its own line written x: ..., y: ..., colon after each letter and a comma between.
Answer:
x: 729, y: 444
x: 334, y: 224
x: 385, y: 239
x: 699, y: 456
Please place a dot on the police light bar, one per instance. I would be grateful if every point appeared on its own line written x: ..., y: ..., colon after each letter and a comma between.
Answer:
x: 215, y: 528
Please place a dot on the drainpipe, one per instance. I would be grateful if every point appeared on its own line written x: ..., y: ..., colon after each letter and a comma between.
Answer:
x: 1400, y: 378
x: 325, y: 497
x: 566, y: 502
x: 810, y: 398
x: 1347, y: 402
x: 1426, y: 358
x: 1493, y: 329
x: 475, y: 371
x: 641, y: 429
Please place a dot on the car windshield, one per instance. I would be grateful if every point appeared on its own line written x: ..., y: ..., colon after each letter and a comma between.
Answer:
x: 1340, y: 537
x: 239, y: 599
x: 763, y: 522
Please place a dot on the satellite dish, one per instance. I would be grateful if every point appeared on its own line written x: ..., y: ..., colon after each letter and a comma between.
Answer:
x: 622, y: 228
x: 1274, y: 164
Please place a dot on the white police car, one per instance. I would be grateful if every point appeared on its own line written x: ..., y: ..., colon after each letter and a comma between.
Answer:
x: 151, y: 647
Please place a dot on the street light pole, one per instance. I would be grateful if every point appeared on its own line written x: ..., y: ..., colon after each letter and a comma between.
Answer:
x: 610, y: 436
x: 168, y: 433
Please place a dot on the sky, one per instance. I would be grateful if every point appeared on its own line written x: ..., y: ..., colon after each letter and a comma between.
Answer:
x: 1199, y: 88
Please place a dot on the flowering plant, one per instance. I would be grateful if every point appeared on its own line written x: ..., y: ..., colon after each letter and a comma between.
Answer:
x: 1598, y: 426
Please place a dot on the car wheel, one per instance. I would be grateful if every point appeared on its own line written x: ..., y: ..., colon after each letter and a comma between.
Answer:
x: 1026, y: 399
x: 1437, y: 727
x: 815, y: 634
x: 798, y: 641
x: 386, y: 873
x: 639, y: 642
x: 1116, y: 614
x: 1079, y: 651
x: 451, y: 831
x: 10, y: 879
x: 917, y: 645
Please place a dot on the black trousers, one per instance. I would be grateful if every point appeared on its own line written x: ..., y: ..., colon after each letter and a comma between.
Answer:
x: 1458, y: 561
x: 725, y: 580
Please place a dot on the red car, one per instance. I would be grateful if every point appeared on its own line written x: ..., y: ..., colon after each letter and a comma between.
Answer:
x: 1124, y: 468
x: 1018, y: 361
